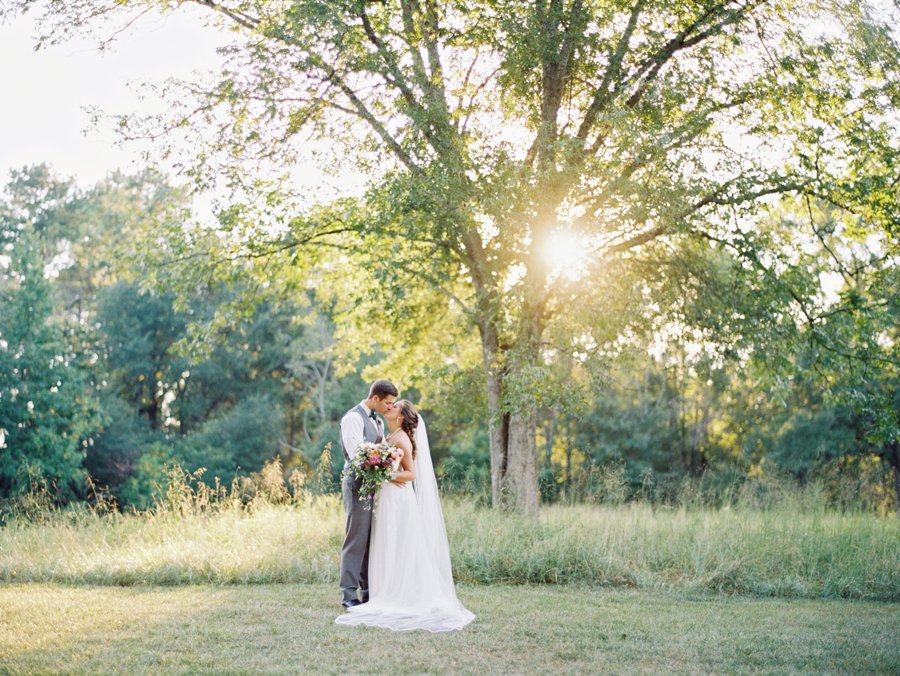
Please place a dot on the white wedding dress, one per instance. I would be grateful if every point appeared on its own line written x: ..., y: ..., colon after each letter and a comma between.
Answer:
x: 410, y: 578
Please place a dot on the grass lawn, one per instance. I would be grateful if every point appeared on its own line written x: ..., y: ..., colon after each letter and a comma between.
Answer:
x: 519, y: 629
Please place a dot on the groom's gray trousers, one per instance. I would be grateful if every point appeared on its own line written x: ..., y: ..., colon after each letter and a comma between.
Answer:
x: 355, y: 552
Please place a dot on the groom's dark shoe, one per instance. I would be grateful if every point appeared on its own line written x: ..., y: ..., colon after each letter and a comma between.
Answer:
x: 351, y: 603
x: 364, y: 595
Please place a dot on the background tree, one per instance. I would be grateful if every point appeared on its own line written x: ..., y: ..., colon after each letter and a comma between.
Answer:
x: 48, y: 402
x: 496, y: 130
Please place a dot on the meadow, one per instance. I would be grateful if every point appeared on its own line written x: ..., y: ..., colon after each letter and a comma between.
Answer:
x: 210, y: 581
x: 795, y: 547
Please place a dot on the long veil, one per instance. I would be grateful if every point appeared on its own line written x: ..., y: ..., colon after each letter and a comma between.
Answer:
x: 429, y: 502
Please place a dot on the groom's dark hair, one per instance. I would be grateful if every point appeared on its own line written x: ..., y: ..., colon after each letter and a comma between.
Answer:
x: 382, y: 389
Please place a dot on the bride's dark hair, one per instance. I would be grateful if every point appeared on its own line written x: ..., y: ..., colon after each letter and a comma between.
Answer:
x: 409, y: 421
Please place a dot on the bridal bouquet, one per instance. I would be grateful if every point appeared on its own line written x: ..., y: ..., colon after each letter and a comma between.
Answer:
x: 373, y: 464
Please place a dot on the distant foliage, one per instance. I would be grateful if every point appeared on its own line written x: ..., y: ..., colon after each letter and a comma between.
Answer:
x: 102, y: 376
x: 48, y: 403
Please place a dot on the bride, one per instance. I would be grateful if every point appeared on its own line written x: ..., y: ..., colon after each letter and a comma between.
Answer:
x: 410, y: 579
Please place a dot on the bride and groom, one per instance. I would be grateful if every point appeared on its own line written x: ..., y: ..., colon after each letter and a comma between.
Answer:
x: 395, y: 561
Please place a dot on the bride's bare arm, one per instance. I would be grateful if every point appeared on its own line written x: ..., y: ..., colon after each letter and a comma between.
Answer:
x: 407, y: 471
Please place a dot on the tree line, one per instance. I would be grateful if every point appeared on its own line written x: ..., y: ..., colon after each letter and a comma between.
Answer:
x: 106, y: 373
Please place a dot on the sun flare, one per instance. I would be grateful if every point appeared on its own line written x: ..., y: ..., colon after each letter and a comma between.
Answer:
x: 565, y: 254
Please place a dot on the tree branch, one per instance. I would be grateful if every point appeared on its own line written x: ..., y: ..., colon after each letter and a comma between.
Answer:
x: 409, y: 32
x: 240, y: 18
x: 811, y: 321
x: 421, y: 115
x: 431, y: 33
x: 716, y: 197
x: 397, y: 79
x: 468, y: 311
x: 360, y: 109
x: 555, y: 70
x: 684, y: 40
x: 602, y: 95
x: 678, y: 137
x: 260, y: 253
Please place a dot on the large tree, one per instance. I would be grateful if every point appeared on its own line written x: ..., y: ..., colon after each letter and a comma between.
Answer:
x: 494, y: 130
x: 49, y: 408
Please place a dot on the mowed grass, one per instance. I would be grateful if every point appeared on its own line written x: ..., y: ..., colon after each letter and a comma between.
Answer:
x: 789, y: 550
x: 518, y: 629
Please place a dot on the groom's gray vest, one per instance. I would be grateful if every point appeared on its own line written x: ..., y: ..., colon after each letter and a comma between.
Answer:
x: 370, y: 432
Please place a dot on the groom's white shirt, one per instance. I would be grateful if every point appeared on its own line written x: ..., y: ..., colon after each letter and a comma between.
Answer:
x: 352, y: 428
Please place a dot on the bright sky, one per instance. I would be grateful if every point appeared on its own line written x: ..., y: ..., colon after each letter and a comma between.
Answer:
x: 43, y: 117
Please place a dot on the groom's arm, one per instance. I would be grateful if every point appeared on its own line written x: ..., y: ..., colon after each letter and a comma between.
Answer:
x: 352, y: 433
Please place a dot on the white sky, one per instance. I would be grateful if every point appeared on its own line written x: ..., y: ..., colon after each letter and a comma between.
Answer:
x: 44, y: 95
x: 42, y: 118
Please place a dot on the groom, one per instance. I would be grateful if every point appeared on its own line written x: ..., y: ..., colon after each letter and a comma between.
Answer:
x: 360, y: 424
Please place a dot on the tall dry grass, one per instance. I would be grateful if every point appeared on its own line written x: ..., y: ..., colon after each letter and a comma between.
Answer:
x: 772, y: 543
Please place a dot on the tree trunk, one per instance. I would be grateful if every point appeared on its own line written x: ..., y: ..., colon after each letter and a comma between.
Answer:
x: 550, y: 441
x: 498, y: 421
x: 513, y: 436
x: 513, y: 439
x: 151, y: 410
x: 291, y: 418
x: 892, y: 455
x: 520, y: 483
